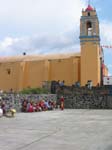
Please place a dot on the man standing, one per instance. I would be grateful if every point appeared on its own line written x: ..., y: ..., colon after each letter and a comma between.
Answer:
x: 62, y: 103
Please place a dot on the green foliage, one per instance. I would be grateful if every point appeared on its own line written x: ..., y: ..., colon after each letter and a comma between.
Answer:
x: 34, y: 91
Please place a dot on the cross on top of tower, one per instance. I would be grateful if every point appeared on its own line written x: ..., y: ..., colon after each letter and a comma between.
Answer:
x: 89, y: 8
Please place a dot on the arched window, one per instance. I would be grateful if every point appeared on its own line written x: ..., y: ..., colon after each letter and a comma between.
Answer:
x: 89, y: 28
x: 89, y: 24
x: 88, y: 13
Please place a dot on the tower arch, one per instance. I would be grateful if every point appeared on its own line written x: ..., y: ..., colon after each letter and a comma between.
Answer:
x: 89, y: 28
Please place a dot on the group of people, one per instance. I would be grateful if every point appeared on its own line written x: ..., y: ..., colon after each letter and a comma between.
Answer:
x: 55, y: 85
x: 41, y: 105
x: 31, y: 106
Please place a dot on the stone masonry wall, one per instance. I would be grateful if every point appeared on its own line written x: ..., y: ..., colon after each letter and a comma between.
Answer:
x: 84, y: 98
x: 15, y: 100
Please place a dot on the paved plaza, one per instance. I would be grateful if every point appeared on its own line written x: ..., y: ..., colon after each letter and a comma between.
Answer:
x: 57, y: 130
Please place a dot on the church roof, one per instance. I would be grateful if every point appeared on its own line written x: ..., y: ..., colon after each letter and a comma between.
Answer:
x: 89, y: 8
x: 24, y: 58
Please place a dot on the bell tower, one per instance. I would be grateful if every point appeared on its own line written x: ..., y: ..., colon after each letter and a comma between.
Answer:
x: 90, y: 46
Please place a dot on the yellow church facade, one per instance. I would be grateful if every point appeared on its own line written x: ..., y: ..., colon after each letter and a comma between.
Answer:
x: 20, y: 72
x: 30, y: 71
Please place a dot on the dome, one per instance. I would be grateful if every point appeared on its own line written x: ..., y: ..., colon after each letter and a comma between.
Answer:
x: 89, y: 8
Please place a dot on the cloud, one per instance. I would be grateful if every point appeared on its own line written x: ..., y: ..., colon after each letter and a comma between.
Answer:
x: 106, y: 39
x: 110, y: 66
x: 44, y: 26
x: 33, y: 12
x: 40, y: 44
x: 106, y: 32
x: 21, y: 18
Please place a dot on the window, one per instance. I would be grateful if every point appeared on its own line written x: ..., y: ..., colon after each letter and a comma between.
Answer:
x: 89, y: 24
x: 88, y: 13
x: 89, y: 28
x: 8, y: 71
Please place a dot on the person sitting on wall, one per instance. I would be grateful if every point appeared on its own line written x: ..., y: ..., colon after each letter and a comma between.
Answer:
x: 61, y: 83
x: 78, y: 84
x: 89, y: 84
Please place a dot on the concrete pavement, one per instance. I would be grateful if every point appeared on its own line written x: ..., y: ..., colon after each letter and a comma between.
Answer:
x: 57, y: 130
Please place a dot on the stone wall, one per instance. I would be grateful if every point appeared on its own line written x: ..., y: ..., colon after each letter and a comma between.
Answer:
x: 75, y: 98
x: 84, y: 98
x: 15, y: 100
x: 88, y: 102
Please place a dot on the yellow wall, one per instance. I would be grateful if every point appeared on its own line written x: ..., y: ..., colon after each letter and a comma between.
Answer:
x: 65, y: 69
x: 8, y: 81
x: 32, y: 73
x: 35, y: 73
x: 90, y: 63
x: 85, y: 13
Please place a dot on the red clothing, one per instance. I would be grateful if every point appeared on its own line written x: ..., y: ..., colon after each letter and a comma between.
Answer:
x: 30, y: 108
x: 62, y: 99
x: 62, y: 103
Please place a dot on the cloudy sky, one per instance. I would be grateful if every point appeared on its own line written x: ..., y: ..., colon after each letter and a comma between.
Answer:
x: 49, y: 26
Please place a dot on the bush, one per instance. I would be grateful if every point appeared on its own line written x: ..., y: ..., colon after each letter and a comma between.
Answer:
x: 34, y: 91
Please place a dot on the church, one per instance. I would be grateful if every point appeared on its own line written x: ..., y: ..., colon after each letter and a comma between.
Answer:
x: 25, y: 71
